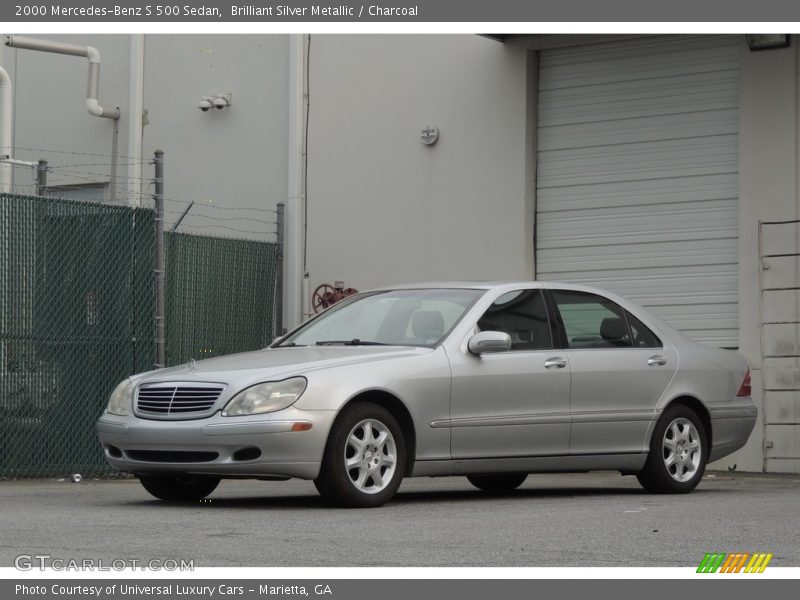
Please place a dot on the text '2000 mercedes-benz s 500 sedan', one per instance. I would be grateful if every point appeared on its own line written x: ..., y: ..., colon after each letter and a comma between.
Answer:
x: 490, y: 381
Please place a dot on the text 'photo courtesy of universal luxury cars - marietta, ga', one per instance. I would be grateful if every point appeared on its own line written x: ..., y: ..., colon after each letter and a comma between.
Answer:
x: 490, y: 381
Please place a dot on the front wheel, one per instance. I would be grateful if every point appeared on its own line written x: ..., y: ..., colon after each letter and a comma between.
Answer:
x: 497, y: 483
x: 180, y: 488
x: 364, y: 459
x: 678, y: 453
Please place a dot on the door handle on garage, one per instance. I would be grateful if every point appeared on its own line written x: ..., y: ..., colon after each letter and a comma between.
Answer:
x: 656, y: 360
x: 555, y: 363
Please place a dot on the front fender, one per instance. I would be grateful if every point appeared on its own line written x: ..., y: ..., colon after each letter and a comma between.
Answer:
x: 421, y: 382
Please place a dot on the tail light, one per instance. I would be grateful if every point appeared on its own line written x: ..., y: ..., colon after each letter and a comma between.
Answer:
x: 746, y: 389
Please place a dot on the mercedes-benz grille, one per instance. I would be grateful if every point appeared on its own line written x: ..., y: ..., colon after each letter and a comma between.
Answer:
x: 175, y: 399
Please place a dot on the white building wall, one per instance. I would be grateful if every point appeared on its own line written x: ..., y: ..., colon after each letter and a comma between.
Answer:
x: 769, y: 192
x: 234, y: 158
x: 51, y: 120
x: 382, y: 207
x: 221, y: 159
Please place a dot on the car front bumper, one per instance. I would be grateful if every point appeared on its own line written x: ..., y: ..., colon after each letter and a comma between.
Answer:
x: 217, y: 445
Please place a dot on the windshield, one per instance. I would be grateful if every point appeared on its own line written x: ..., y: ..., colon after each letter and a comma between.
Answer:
x: 393, y: 318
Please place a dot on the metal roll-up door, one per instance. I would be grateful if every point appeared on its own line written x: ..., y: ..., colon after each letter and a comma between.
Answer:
x: 637, y: 175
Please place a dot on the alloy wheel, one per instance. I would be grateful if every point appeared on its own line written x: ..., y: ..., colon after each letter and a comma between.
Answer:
x: 682, y: 449
x: 370, y: 456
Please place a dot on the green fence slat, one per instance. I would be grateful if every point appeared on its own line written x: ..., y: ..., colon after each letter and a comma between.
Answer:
x: 219, y: 296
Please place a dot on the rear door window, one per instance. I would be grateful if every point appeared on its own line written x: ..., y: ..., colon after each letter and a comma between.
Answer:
x: 592, y: 321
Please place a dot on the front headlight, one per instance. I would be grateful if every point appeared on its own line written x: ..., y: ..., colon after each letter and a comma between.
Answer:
x: 266, y: 397
x: 120, y: 400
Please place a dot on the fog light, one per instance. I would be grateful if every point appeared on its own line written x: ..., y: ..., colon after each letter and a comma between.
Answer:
x: 249, y: 453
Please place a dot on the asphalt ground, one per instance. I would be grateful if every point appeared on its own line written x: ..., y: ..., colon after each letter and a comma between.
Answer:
x: 597, y: 519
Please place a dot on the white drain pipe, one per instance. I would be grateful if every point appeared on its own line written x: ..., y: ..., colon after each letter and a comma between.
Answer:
x: 6, y: 131
x: 293, y: 268
x: 88, y: 52
x: 135, y: 125
x: 6, y: 187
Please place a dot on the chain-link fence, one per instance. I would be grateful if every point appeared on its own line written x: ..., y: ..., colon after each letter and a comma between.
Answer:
x: 73, y: 325
x: 76, y: 287
x: 220, y: 296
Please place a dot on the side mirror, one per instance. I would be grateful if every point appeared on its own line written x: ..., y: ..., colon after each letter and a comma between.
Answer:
x: 489, y: 341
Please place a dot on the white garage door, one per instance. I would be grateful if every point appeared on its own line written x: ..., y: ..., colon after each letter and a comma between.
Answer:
x: 637, y: 176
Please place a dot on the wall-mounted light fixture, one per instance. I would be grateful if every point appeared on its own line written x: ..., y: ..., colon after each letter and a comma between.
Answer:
x: 218, y: 101
x: 429, y: 135
x: 767, y: 41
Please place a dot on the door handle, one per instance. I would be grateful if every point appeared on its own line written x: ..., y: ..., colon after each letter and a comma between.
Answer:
x: 656, y: 360
x: 555, y: 363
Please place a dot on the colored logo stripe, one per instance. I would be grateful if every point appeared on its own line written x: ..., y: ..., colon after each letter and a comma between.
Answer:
x: 711, y: 562
x: 734, y: 562
x: 758, y: 563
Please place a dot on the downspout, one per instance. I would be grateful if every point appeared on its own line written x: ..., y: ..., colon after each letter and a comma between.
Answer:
x: 6, y: 187
x: 88, y: 52
x: 135, y: 112
x: 295, y: 210
x: 6, y: 130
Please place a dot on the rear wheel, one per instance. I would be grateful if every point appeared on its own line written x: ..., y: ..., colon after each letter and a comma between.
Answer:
x: 364, y: 459
x: 678, y: 453
x: 180, y: 488
x: 497, y: 483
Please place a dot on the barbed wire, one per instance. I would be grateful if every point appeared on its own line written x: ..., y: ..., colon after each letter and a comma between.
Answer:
x: 131, y: 193
x: 270, y: 236
x: 188, y: 227
x: 121, y: 200
x: 108, y: 155
x: 185, y: 227
x: 202, y: 216
x: 91, y: 175
x: 99, y: 164
x: 216, y: 206
x: 72, y: 173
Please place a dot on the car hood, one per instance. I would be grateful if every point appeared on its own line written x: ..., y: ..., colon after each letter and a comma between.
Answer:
x: 277, y: 363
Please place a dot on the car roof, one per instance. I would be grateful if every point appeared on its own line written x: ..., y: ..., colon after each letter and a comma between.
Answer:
x: 426, y: 285
x: 488, y: 285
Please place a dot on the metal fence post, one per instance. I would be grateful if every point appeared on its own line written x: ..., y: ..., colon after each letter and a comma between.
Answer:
x: 279, y: 272
x: 183, y: 215
x: 160, y: 304
x: 41, y: 177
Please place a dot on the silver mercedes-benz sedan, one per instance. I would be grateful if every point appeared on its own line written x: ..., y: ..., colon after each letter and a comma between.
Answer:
x: 489, y: 381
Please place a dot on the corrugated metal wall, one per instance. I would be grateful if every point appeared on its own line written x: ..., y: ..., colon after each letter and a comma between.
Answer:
x: 637, y: 176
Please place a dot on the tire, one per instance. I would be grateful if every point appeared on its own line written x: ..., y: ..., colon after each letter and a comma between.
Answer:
x: 678, y: 453
x: 497, y: 483
x: 181, y: 488
x: 362, y: 474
